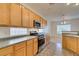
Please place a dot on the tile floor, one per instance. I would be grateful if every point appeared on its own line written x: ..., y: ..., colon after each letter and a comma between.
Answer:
x: 55, y: 49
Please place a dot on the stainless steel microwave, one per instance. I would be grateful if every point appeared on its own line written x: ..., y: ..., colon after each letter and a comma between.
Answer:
x: 36, y: 24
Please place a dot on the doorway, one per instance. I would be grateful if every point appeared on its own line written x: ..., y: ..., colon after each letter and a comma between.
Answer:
x: 61, y: 28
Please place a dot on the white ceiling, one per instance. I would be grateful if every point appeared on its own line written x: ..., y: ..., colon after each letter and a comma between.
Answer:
x: 54, y: 12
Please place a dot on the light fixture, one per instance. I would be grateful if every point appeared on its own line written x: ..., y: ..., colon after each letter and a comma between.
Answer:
x: 77, y: 4
x: 63, y: 19
x: 68, y: 4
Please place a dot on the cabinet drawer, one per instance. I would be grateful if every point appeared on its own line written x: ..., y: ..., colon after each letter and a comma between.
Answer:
x: 6, y: 51
x: 19, y: 45
x: 30, y: 42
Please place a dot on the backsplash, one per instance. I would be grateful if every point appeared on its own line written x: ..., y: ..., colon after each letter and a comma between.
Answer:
x: 18, y: 31
x: 4, y: 31
x: 10, y: 31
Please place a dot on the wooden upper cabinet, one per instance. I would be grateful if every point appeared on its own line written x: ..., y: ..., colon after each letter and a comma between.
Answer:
x: 15, y: 15
x: 25, y: 17
x: 31, y: 14
x: 44, y: 23
x: 4, y: 14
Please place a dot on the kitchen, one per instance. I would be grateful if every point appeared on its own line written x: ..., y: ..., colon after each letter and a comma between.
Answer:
x: 39, y: 29
x: 17, y: 24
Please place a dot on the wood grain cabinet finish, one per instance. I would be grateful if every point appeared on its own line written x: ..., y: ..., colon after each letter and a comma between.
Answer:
x: 73, y: 44
x: 43, y: 23
x: 78, y: 45
x: 31, y: 14
x: 25, y: 17
x: 47, y: 39
x: 35, y: 48
x: 20, y: 49
x: 4, y: 14
x: 7, y: 51
x: 69, y: 42
x: 64, y: 42
x: 15, y: 15
x: 30, y: 47
x: 26, y: 48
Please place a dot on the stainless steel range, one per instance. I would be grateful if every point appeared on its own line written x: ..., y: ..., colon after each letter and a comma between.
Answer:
x: 41, y: 39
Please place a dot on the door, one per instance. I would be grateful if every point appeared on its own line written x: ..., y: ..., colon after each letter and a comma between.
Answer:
x: 4, y: 14
x: 15, y: 15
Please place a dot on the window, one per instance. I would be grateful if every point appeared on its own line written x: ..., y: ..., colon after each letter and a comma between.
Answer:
x: 64, y: 27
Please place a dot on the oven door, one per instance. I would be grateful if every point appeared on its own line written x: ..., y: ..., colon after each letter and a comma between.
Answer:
x: 41, y: 42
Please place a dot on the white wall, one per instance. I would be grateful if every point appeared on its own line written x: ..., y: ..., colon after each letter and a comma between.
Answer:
x: 74, y: 27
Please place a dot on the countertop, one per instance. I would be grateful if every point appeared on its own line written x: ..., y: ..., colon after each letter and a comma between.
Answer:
x: 72, y: 35
x: 4, y: 42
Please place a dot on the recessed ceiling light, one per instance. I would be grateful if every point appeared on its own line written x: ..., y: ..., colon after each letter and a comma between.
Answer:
x: 68, y: 3
x: 77, y: 4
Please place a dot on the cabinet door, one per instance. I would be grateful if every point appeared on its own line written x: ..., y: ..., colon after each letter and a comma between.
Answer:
x: 4, y: 14
x: 44, y: 23
x: 8, y: 51
x: 31, y: 14
x: 77, y: 45
x: 35, y: 48
x: 30, y: 47
x: 20, y: 52
x: 64, y: 42
x: 73, y: 44
x: 47, y: 39
x: 25, y: 17
x: 15, y: 15
x: 29, y: 50
x: 20, y: 49
x: 41, y: 22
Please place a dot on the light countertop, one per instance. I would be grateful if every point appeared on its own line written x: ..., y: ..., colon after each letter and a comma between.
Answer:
x: 72, y: 35
x: 10, y: 41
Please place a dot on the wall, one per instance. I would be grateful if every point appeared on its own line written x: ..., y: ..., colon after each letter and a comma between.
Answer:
x: 74, y: 27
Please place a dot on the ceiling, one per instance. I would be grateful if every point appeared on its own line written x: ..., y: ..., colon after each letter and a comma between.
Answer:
x: 55, y: 11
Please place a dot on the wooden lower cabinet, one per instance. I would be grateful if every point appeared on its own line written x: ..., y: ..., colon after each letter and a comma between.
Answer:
x: 20, y: 52
x: 70, y: 43
x: 47, y: 39
x: 78, y: 45
x: 30, y: 47
x: 20, y: 49
x: 29, y: 51
x: 7, y: 51
x: 35, y: 48
x: 26, y: 48
x: 73, y: 44
x: 64, y: 42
